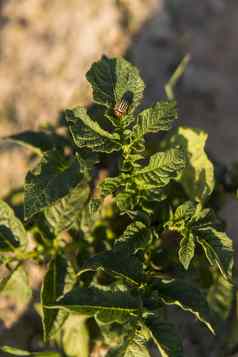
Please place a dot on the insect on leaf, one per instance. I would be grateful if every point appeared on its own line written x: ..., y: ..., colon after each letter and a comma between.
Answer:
x: 111, y: 78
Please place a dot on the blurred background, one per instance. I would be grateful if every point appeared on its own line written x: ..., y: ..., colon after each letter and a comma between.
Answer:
x: 46, y: 47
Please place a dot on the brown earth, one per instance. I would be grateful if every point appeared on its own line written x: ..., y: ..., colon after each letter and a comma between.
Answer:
x: 46, y: 47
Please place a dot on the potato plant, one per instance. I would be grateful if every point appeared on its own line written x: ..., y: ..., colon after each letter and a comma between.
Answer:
x: 122, y: 218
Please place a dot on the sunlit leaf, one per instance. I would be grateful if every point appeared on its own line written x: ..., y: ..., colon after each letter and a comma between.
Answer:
x: 163, y: 167
x: 152, y: 120
x: 111, y: 78
x: 74, y: 337
x: 198, y: 177
x: 186, y: 250
x: 17, y: 287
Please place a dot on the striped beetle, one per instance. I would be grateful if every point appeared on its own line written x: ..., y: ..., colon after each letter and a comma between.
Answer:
x: 121, y: 108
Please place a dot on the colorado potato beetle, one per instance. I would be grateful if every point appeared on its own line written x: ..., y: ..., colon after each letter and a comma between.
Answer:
x: 121, y: 108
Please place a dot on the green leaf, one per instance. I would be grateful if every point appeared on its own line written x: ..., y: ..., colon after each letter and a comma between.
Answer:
x: 187, y: 297
x: 165, y: 337
x: 109, y: 317
x: 157, y: 118
x: 186, y: 250
x: 89, y: 301
x: 87, y: 133
x: 58, y: 280
x: 132, y: 347
x: 93, y: 207
x: 184, y: 212
x: 74, y: 337
x: 126, y: 201
x: 46, y: 354
x: 112, y: 78
x: 17, y: 287
x: 119, y: 262
x: 202, y: 219
x: 39, y: 141
x: 150, y: 198
x: 114, y: 334
x: 110, y: 185
x: 190, y: 215
x: 136, y: 236
x: 18, y: 352
x: 87, y: 160
x: 163, y: 167
x: 218, y: 249
x: 198, y: 176
x: 4, y: 280
x: 53, y: 178
x: 220, y: 296
x: 12, y: 231
x: 15, y: 351
x: 65, y: 212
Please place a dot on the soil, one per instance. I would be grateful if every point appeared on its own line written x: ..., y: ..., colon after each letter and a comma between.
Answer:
x: 46, y: 47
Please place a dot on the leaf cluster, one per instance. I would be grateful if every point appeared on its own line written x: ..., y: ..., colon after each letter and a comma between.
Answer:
x: 125, y: 242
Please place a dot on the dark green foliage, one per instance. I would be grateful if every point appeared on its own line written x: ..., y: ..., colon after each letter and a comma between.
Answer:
x: 38, y: 142
x: 88, y: 134
x: 127, y: 234
x: 17, y: 352
x: 12, y: 231
x: 58, y: 280
x: 50, y: 180
x: 111, y: 78
x: 165, y: 337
